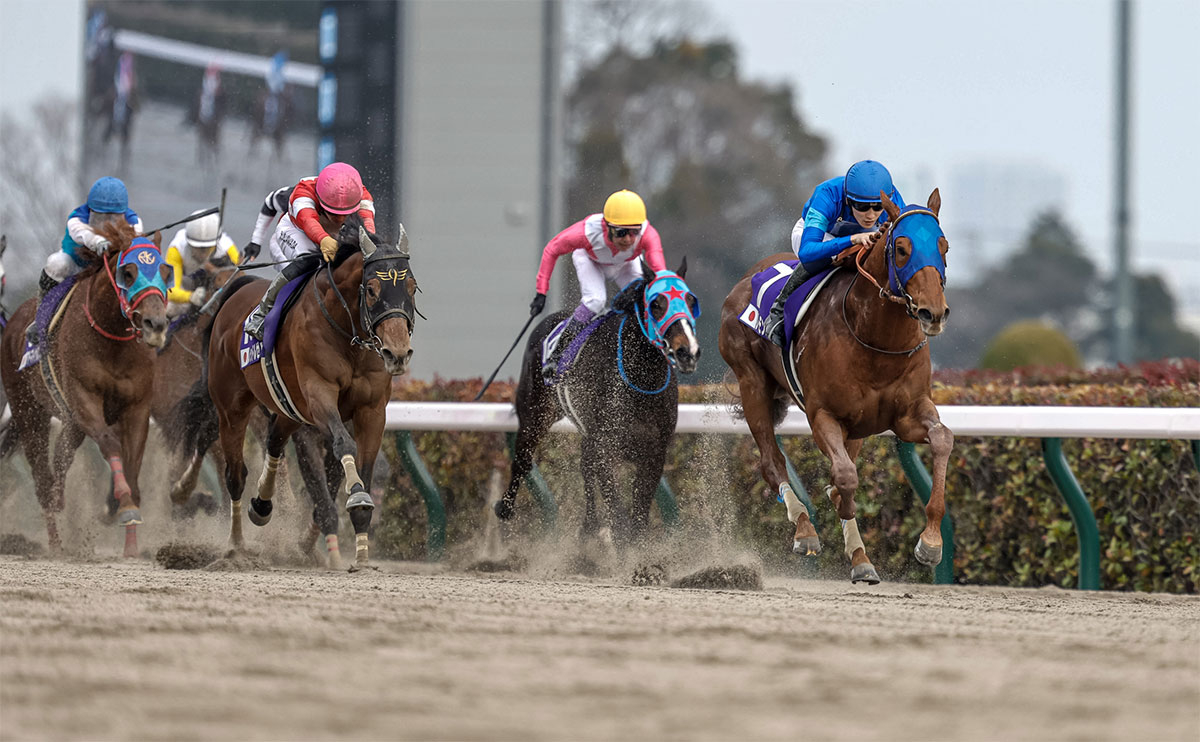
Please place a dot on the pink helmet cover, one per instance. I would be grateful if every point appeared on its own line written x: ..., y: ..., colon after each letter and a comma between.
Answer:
x: 339, y: 188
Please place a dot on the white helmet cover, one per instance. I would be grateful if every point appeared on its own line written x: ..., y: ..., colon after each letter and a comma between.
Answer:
x: 204, y: 232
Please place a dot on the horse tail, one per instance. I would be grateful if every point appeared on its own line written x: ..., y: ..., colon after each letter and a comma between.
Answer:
x: 192, y: 422
x: 779, y: 407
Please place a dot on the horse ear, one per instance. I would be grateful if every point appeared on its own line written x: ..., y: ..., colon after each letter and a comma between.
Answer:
x: 682, y: 267
x: 888, y: 206
x: 401, y: 239
x: 364, y: 243
x: 156, y: 238
x: 647, y: 272
x: 935, y: 202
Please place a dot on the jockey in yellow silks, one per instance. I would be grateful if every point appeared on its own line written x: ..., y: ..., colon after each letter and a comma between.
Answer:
x: 199, y: 243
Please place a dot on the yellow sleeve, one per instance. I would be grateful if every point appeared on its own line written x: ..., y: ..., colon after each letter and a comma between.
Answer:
x: 234, y: 256
x: 177, y: 294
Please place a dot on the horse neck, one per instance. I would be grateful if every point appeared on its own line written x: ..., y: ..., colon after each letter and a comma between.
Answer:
x: 878, y: 321
x: 347, y: 277
x: 644, y: 362
x: 103, y: 303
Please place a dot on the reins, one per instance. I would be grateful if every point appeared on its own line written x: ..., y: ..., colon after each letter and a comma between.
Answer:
x: 126, y: 307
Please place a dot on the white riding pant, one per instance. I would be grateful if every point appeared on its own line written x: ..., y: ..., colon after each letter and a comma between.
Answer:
x: 592, y: 275
x: 60, y: 265
x: 289, y: 241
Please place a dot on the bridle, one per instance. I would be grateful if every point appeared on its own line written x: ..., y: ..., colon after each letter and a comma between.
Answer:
x: 146, y: 253
x: 392, y: 268
x: 896, y: 289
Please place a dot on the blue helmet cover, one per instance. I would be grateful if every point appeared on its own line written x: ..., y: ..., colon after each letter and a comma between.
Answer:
x: 866, y: 179
x: 921, y: 227
x: 108, y: 196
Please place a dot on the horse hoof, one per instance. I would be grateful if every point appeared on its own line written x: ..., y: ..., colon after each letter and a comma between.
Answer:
x: 504, y: 509
x: 864, y: 572
x: 930, y: 556
x: 260, y: 511
x: 359, y: 500
x: 131, y: 517
x: 807, y: 546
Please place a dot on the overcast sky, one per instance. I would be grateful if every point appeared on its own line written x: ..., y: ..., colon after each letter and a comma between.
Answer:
x: 923, y: 86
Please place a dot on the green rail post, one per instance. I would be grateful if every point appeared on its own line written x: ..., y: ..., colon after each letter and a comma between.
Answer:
x: 668, y: 508
x: 797, y: 485
x: 538, y: 487
x: 922, y: 484
x: 1081, y: 513
x: 1196, y: 454
x: 435, y: 544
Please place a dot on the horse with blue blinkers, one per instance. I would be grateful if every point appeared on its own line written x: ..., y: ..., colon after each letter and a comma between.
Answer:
x: 861, y: 358
x: 96, y: 374
x: 621, y: 393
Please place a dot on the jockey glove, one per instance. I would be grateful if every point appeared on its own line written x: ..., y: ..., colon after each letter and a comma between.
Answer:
x: 100, y: 246
x: 252, y: 250
x: 329, y: 248
x: 537, y: 305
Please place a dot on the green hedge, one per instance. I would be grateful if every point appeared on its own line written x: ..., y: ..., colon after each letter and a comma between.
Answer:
x: 1012, y: 527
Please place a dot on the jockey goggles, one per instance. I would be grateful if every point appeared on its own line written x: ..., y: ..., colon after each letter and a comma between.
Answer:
x: 866, y: 205
x: 622, y: 232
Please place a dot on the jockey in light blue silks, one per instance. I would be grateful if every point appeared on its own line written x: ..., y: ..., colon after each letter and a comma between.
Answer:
x: 842, y: 211
x: 107, y: 201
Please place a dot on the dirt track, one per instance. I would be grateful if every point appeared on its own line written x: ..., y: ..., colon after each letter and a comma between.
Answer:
x: 109, y: 649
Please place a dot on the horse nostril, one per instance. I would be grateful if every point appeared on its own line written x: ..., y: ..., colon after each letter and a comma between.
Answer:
x: 408, y: 356
x: 946, y: 314
x: 388, y: 356
x: 925, y: 315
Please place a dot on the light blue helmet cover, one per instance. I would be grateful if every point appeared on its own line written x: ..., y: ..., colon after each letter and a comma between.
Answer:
x: 670, y: 285
x: 921, y: 227
x: 866, y: 179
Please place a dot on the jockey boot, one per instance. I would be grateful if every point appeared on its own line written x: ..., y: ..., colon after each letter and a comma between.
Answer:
x: 294, y: 269
x: 45, y: 283
x: 574, y: 325
x: 774, y: 324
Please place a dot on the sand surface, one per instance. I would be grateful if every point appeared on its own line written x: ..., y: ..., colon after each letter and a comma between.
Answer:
x: 113, y: 649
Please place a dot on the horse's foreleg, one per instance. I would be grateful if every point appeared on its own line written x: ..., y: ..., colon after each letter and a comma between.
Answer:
x: 536, y: 412
x: 830, y: 437
x: 89, y: 417
x: 923, y: 425
x: 324, y: 412
x: 599, y: 477
x: 757, y: 399
x: 861, y: 569
x: 649, y: 468
x: 368, y: 433
x: 135, y: 425
x: 233, y: 438
x: 278, y: 431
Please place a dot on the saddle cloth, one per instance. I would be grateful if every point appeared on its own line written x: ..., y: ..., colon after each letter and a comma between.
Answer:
x: 764, y: 290
x: 250, y: 349
x: 42, y: 318
x: 571, y: 352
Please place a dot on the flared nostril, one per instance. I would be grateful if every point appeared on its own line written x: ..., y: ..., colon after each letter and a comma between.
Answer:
x: 925, y: 315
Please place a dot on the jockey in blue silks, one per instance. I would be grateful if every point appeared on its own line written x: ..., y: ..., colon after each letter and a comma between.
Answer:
x: 842, y: 211
x: 107, y: 201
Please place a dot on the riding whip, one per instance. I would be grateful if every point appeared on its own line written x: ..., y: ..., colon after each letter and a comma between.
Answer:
x: 190, y: 217
x: 491, y: 378
x: 221, y: 218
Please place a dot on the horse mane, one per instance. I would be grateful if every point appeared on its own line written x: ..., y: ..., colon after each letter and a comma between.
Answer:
x: 628, y: 298
x: 119, y: 234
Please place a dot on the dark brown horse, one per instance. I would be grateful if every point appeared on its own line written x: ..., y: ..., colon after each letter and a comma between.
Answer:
x: 622, y: 394
x: 337, y: 360
x: 862, y: 360
x: 96, y: 375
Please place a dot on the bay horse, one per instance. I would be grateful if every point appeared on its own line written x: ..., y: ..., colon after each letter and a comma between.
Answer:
x: 622, y: 393
x: 96, y: 374
x: 862, y: 359
x: 337, y: 364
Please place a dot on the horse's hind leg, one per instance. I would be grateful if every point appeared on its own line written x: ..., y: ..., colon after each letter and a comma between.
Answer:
x: 861, y: 569
x: 233, y: 438
x: 278, y: 431
x: 310, y: 456
x: 757, y: 392
x: 923, y: 425
x: 32, y: 425
x: 536, y: 411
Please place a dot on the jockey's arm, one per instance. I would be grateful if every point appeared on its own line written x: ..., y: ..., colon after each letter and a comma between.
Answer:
x: 83, y: 234
x: 177, y: 294
x: 652, y: 249
x: 275, y: 202
x: 229, y: 249
x: 366, y: 211
x: 564, y: 243
x: 809, y: 243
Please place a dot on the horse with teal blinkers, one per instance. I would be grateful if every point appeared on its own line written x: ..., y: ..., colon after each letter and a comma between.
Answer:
x: 621, y: 392
x: 95, y: 373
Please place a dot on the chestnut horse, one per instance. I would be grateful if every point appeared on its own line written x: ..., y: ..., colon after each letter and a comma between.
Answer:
x: 862, y: 359
x: 622, y: 394
x: 100, y: 359
x: 337, y: 363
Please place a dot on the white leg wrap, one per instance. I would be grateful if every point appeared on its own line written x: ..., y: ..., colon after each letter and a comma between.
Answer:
x: 331, y: 544
x: 361, y: 545
x: 794, y: 506
x: 266, y: 480
x: 351, y: 470
x: 850, y: 535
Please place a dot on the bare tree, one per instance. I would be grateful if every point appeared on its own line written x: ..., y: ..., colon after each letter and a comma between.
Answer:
x: 595, y: 27
x: 39, y: 166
